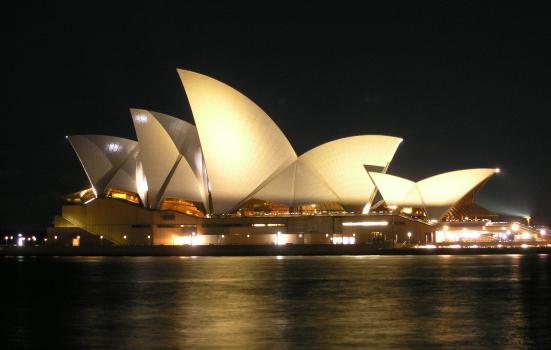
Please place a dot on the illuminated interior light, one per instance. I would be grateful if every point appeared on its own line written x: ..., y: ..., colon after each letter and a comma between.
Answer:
x: 366, y: 223
x: 181, y: 240
x: 280, y: 239
x: 259, y: 225
x: 469, y: 234
x: 515, y: 227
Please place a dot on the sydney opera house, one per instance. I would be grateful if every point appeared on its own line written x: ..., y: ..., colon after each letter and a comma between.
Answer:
x: 234, y: 178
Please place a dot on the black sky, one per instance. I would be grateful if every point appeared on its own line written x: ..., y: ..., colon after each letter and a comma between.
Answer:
x: 464, y: 85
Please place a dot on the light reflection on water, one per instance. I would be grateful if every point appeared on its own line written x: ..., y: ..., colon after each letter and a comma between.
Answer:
x: 278, y: 302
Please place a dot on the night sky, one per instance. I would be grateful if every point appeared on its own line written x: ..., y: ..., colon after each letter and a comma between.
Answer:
x: 465, y: 86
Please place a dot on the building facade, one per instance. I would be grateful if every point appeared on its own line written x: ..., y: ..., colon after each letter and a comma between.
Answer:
x: 234, y: 178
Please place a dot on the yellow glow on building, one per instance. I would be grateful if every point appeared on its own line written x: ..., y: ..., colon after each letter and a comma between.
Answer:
x: 366, y: 223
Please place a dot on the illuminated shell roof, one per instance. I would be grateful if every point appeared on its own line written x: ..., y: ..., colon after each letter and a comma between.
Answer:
x: 437, y: 194
x: 236, y: 153
x: 241, y: 145
x: 332, y: 172
x: 167, y: 144
x: 108, y: 161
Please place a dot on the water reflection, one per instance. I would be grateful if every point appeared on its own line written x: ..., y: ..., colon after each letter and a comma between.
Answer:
x: 278, y: 302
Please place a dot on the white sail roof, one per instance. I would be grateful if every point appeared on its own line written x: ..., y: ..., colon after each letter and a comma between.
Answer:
x: 236, y: 152
x: 242, y: 146
x: 396, y: 190
x: 436, y: 194
x: 166, y: 169
x: 341, y: 165
x: 108, y: 161
x: 333, y: 172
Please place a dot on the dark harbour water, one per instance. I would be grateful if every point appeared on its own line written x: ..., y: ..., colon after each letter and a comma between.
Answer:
x: 387, y: 302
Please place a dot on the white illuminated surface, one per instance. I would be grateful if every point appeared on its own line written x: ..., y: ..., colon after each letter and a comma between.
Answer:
x: 280, y: 239
x: 366, y: 223
x: 140, y: 118
x: 242, y: 146
x: 114, y: 147
x: 436, y: 194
